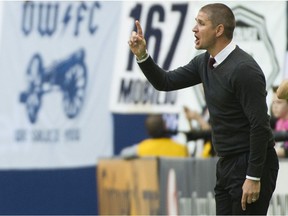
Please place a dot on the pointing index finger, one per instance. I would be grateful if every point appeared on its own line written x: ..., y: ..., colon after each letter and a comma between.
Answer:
x: 243, y: 202
x: 139, y: 28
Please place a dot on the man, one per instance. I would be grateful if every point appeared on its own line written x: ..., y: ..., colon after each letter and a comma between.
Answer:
x: 235, y: 92
x: 159, y: 144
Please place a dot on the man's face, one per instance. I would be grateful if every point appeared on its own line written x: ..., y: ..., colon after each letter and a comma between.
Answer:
x: 204, y: 32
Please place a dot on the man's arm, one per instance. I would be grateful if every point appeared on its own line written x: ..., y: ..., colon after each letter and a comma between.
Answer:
x: 251, y: 91
x: 129, y: 152
x: 182, y: 77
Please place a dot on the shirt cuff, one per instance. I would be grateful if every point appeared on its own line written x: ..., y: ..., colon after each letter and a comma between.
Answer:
x: 252, y: 178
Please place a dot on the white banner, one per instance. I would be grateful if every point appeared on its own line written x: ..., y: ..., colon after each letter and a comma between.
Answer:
x: 168, y: 30
x: 55, y: 77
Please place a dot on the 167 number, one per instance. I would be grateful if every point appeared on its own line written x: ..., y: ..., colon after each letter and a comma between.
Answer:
x: 157, y: 10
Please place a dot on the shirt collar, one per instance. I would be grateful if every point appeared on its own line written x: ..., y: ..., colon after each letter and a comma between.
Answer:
x: 223, y: 54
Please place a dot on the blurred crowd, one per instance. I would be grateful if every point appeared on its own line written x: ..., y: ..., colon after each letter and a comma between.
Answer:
x: 161, y: 142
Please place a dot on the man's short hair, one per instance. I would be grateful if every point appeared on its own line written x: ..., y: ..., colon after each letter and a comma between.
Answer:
x: 221, y: 14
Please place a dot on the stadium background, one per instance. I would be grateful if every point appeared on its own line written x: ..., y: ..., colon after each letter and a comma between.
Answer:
x: 72, y: 93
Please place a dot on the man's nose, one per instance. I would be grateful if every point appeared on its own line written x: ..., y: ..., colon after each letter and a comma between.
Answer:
x: 195, y: 28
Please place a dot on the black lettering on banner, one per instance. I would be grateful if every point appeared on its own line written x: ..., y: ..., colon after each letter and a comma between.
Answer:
x: 152, y: 32
x: 46, y: 18
x: 20, y: 135
x: 142, y: 92
x: 79, y: 16
x: 72, y: 134
x: 156, y: 33
x: 182, y: 8
x: 92, y: 25
x: 48, y: 136
x: 27, y: 17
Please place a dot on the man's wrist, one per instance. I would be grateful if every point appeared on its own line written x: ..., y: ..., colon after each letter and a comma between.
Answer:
x: 143, y: 57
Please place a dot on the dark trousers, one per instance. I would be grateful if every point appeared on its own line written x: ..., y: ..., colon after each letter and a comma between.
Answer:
x: 231, y: 174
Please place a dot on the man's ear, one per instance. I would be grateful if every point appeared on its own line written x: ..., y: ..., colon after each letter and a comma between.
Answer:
x: 219, y: 30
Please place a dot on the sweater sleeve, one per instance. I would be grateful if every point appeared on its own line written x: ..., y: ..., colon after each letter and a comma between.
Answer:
x: 250, y: 88
x: 162, y: 80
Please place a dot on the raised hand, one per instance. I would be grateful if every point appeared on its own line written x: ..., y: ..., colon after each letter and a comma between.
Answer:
x: 137, y: 42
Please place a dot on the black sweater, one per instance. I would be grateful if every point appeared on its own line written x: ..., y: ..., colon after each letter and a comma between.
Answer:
x: 235, y: 93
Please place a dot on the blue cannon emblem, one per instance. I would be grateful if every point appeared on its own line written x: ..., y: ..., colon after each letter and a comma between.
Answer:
x: 68, y: 75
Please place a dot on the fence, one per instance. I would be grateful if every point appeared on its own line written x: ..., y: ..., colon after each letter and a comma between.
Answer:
x: 168, y: 186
